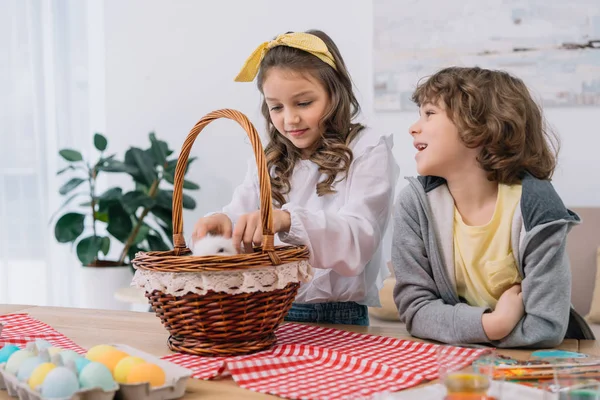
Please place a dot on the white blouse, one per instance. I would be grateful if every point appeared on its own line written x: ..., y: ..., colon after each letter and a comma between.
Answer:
x: 343, y: 230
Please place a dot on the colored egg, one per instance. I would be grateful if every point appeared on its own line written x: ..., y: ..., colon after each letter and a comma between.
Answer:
x: 95, y: 351
x: 96, y: 375
x: 41, y: 344
x: 111, y: 358
x: 27, y: 367
x: 61, y: 382
x: 16, y: 359
x: 67, y: 355
x: 39, y: 374
x: 80, y: 363
x: 147, y: 372
x: 54, y: 350
x: 124, y: 366
x: 7, y: 351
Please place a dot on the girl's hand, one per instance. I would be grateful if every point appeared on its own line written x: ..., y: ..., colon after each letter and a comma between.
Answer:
x: 216, y: 224
x: 248, y: 229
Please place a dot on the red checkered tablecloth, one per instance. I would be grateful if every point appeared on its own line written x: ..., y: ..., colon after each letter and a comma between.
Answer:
x: 20, y: 329
x: 311, y: 362
x: 308, y: 362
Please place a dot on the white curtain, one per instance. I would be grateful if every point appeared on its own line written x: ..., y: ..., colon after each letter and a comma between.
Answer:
x: 48, y: 76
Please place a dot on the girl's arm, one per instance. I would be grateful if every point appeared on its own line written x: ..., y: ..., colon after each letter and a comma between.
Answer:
x: 346, y: 239
x: 416, y: 293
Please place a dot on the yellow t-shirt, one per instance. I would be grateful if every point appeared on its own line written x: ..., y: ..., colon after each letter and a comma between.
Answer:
x: 483, y: 261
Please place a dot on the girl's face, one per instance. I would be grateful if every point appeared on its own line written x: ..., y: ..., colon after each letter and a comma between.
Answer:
x: 440, y: 150
x: 297, y: 103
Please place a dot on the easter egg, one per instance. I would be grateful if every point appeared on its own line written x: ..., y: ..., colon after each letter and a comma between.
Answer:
x: 39, y: 374
x: 96, y: 375
x: 54, y: 350
x: 16, y: 359
x: 41, y: 344
x: 95, y: 351
x: 67, y: 355
x: 147, y: 372
x: 7, y: 351
x: 61, y: 382
x: 80, y: 363
x: 111, y: 358
x: 27, y: 367
x: 124, y: 366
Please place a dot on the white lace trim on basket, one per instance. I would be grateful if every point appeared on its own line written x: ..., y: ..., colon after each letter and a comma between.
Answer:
x: 232, y: 282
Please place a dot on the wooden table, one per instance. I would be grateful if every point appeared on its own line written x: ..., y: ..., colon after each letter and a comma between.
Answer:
x: 144, y: 331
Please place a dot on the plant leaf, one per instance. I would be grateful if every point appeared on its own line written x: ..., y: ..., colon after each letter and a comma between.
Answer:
x: 144, y: 163
x: 119, y: 222
x: 65, y: 169
x: 156, y: 243
x: 142, y: 234
x: 71, y: 155
x: 186, y: 184
x: 188, y: 202
x: 88, y: 248
x: 115, y: 193
x: 172, y: 165
x: 102, y: 216
x: 70, y: 185
x: 69, y: 227
x: 164, y: 198
x: 66, y: 203
x: 190, y: 185
x: 105, y: 245
x: 111, y: 165
x: 100, y: 142
x: 135, y: 199
x: 158, y: 149
x: 166, y: 216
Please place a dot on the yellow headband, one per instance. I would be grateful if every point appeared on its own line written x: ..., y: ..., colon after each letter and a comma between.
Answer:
x: 299, y: 40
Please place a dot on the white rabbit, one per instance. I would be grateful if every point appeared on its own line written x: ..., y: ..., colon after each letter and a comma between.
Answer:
x: 211, y: 245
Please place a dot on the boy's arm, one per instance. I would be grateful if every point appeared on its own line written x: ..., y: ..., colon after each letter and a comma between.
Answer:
x: 546, y: 291
x: 416, y: 293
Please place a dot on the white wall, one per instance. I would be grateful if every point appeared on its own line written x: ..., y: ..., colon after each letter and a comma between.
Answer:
x: 170, y: 63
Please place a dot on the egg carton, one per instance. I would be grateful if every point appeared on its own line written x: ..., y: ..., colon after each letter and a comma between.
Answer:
x: 22, y: 391
x: 174, y: 387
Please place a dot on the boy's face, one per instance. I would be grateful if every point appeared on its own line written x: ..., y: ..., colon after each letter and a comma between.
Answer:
x: 440, y: 150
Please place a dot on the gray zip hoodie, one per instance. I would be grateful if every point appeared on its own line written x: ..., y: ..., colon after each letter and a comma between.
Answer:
x: 423, y: 259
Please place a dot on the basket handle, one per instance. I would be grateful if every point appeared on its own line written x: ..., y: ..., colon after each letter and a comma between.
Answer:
x: 266, y: 208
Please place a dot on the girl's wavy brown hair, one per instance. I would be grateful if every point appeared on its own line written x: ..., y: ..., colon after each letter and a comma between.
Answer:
x: 494, y: 111
x: 332, y: 154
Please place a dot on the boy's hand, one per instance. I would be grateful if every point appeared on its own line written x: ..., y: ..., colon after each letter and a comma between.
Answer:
x: 509, y: 311
x: 248, y: 228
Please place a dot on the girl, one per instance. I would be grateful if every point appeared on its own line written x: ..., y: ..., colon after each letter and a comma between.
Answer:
x: 479, y: 238
x: 332, y: 179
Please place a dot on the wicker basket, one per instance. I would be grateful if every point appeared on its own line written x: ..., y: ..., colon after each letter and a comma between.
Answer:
x: 217, y: 323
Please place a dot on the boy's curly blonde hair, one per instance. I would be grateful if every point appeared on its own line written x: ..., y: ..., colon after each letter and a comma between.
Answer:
x: 494, y: 111
x: 332, y: 155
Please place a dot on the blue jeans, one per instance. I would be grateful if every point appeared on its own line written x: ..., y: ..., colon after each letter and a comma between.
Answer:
x: 345, y: 313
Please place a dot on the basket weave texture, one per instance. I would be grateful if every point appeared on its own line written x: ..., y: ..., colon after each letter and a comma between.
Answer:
x: 217, y: 323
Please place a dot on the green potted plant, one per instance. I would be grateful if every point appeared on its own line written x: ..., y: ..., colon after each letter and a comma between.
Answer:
x: 139, y: 219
